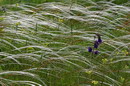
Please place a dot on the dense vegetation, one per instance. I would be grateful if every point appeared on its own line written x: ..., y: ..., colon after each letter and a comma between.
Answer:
x: 52, y: 43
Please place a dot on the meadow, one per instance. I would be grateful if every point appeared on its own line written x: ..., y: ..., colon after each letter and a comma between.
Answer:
x: 64, y: 43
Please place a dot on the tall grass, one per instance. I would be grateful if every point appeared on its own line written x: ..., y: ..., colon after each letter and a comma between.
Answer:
x: 46, y: 44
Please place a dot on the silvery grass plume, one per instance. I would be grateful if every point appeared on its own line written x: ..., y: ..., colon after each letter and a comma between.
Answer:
x: 52, y: 56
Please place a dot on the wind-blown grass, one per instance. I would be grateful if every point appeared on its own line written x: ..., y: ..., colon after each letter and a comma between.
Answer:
x: 46, y: 44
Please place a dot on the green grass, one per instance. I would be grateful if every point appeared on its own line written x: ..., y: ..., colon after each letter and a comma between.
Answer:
x: 45, y: 44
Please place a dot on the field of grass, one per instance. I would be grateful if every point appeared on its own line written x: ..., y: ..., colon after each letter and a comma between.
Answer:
x: 45, y: 43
